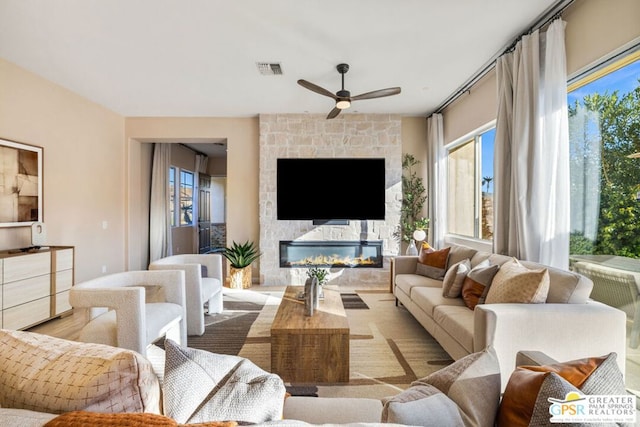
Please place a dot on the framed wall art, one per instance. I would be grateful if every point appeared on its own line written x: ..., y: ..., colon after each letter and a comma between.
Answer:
x: 20, y: 184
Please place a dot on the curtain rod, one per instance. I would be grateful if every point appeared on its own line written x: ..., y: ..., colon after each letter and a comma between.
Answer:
x: 547, y: 16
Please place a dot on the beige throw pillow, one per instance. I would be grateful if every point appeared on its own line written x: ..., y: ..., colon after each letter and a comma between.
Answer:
x: 200, y: 386
x: 454, y: 277
x: 471, y: 383
x: 515, y: 283
x: 47, y: 374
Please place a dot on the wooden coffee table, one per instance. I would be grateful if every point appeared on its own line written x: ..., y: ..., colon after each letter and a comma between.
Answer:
x: 310, y: 349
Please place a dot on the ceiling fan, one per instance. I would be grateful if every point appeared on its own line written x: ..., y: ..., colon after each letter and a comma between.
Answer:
x: 343, y: 97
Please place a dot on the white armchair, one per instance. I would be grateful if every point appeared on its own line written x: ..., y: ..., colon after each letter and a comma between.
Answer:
x: 201, y: 284
x: 132, y: 309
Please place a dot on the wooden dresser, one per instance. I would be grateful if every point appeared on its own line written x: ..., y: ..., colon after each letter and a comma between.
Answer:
x: 35, y: 285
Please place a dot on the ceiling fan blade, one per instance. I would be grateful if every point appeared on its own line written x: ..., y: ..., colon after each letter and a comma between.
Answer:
x: 333, y: 113
x: 317, y: 89
x: 377, y: 93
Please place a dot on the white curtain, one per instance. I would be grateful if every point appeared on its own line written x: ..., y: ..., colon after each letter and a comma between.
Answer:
x: 201, y: 163
x: 531, y: 166
x: 436, y: 162
x: 159, y: 212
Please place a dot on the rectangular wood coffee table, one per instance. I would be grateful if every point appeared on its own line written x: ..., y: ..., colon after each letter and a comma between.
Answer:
x: 310, y: 349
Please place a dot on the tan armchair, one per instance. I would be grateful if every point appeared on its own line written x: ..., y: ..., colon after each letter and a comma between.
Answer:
x: 132, y: 309
x: 616, y: 288
x: 203, y: 284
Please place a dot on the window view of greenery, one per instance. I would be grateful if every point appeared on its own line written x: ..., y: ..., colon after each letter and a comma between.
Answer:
x: 186, y: 198
x: 470, y: 187
x: 604, y: 132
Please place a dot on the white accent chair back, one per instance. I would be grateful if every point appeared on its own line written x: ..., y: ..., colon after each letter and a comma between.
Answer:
x: 132, y: 309
x: 202, y: 284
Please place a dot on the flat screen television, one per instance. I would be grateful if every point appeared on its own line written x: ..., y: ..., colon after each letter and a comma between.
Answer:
x: 330, y: 189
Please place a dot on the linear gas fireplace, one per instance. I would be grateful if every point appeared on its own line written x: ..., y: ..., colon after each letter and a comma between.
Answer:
x: 329, y: 253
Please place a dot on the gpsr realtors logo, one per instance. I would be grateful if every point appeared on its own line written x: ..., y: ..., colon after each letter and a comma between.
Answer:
x: 578, y: 408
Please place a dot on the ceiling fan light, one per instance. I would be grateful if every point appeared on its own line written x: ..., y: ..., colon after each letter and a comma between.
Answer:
x: 343, y: 103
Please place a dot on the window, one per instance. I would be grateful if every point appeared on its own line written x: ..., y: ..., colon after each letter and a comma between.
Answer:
x: 172, y: 194
x: 181, y: 196
x: 470, y: 185
x: 604, y: 124
x: 186, y: 197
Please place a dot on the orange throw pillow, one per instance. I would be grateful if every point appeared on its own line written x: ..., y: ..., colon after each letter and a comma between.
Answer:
x: 525, y: 399
x: 433, y: 264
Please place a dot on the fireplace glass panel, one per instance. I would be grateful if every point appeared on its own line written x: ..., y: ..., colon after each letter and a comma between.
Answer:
x: 346, y: 254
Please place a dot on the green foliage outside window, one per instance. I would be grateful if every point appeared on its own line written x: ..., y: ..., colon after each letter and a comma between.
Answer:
x: 619, y: 212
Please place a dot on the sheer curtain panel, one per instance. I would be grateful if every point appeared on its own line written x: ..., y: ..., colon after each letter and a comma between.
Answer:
x: 531, y: 218
x: 436, y: 162
x: 159, y: 211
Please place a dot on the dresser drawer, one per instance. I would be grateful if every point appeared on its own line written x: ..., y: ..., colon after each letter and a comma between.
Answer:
x: 22, y: 291
x: 24, y: 315
x: 25, y: 266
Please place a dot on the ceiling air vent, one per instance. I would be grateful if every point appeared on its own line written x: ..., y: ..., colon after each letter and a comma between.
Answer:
x: 269, y: 68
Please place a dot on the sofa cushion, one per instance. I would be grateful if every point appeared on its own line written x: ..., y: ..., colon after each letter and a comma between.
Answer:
x: 454, y: 277
x: 476, y: 285
x: 459, y: 253
x: 515, y: 283
x: 565, y: 286
x: 421, y: 405
x: 433, y: 264
x: 406, y: 282
x: 47, y: 374
x: 428, y: 299
x: 200, y: 386
x: 473, y: 383
x: 525, y: 401
x: 457, y: 321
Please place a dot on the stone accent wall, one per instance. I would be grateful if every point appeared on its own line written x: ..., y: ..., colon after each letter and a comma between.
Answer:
x: 310, y: 136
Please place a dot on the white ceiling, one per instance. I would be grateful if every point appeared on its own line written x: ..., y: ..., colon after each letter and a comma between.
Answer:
x: 198, y: 57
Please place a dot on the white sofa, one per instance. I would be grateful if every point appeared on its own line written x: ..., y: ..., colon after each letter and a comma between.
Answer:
x: 568, y: 326
x: 203, y: 284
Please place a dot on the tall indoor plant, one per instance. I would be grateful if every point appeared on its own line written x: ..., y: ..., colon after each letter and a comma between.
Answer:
x: 413, y: 199
x: 240, y: 257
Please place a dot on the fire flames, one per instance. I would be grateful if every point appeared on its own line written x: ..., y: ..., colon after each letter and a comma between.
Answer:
x: 333, y: 260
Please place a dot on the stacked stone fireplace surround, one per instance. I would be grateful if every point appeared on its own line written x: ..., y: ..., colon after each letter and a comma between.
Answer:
x: 313, y: 136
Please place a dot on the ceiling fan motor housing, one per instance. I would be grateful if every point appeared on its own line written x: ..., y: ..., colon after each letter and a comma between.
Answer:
x: 342, y: 68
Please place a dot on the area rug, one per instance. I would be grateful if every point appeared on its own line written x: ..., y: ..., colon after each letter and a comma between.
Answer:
x: 388, y: 348
x: 353, y: 302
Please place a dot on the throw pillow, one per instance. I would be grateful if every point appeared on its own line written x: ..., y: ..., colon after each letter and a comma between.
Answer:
x: 515, y: 283
x: 200, y: 386
x: 476, y: 285
x: 454, y: 277
x: 433, y: 264
x: 46, y: 374
x: 525, y: 400
x: 475, y: 375
x: 96, y: 419
x: 459, y: 253
x: 421, y: 405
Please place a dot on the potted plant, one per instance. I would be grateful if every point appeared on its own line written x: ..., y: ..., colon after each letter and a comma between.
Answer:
x: 240, y: 257
x: 413, y: 199
x: 321, y: 274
